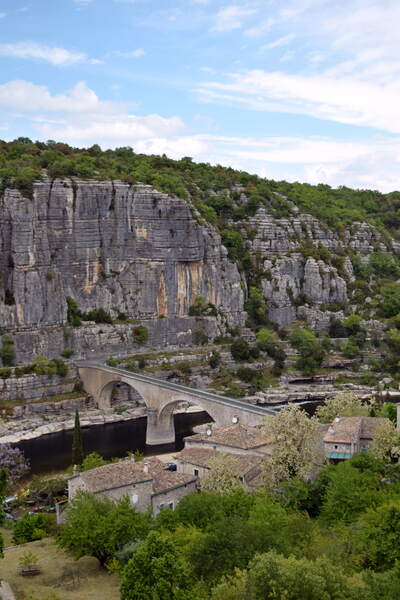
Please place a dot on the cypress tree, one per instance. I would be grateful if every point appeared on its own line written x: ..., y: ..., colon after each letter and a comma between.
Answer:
x: 77, y: 444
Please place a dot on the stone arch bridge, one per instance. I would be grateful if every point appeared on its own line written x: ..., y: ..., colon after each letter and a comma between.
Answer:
x: 161, y: 398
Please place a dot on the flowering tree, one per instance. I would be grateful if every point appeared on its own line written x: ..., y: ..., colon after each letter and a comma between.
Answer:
x: 14, y: 462
x: 295, y: 446
x: 222, y: 477
x: 386, y: 443
x: 341, y: 405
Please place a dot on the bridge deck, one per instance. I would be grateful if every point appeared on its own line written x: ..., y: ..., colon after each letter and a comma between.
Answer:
x: 180, y: 388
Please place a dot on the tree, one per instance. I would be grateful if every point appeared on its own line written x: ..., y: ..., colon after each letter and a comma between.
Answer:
x: 99, y: 527
x: 386, y: 442
x: 77, y: 444
x: 14, y: 462
x: 92, y: 461
x: 350, y: 491
x: 380, y: 535
x: 240, y: 349
x: 156, y: 571
x: 311, y: 351
x: 294, y: 444
x: 222, y: 476
x: 341, y: 405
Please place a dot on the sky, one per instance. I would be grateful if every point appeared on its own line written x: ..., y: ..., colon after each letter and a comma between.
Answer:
x: 301, y: 90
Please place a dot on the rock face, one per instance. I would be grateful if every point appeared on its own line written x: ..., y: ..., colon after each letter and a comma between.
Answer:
x: 297, y: 285
x: 126, y: 249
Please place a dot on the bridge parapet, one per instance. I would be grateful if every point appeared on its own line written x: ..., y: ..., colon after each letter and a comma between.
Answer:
x: 161, y: 397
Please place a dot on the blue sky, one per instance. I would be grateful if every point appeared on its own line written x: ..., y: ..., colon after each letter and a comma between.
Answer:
x: 303, y: 90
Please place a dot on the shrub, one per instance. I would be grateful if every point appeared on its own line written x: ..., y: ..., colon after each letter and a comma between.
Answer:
x: 7, y: 352
x: 141, y: 334
x: 200, y: 337
x: 67, y: 352
x: 240, y: 349
x: 31, y: 527
x: 5, y: 372
x: 214, y: 360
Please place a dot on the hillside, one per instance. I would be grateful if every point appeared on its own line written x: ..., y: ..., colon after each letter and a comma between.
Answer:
x: 117, y: 253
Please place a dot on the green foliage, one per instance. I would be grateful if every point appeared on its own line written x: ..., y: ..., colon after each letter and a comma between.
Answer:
x: 391, y: 299
x: 256, y: 307
x: 156, y: 572
x: 215, y: 359
x: 77, y: 444
x: 233, y: 241
x: 31, y: 527
x: 140, y: 334
x: 67, y: 352
x: 5, y: 372
x: 384, y: 265
x: 3, y: 489
x: 201, y: 307
x: 99, y: 527
x: 311, y: 351
x: 380, y: 535
x: 7, y: 352
x: 200, y: 337
x: 240, y: 349
x: 349, y: 349
x: 92, y: 461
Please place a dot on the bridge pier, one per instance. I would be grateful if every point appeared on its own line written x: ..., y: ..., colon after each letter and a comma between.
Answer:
x: 160, y: 427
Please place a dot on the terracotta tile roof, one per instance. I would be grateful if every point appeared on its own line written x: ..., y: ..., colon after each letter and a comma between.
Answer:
x: 167, y: 480
x: 236, y: 436
x: 121, y: 473
x: 351, y: 429
x: 203, y: 457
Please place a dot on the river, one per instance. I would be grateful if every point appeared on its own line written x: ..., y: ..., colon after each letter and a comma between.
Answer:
x: 52, y: 452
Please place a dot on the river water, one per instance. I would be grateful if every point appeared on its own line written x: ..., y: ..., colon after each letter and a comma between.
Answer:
x: 52, y: 452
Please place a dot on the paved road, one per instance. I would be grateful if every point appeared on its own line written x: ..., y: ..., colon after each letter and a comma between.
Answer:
x: 233, y: 402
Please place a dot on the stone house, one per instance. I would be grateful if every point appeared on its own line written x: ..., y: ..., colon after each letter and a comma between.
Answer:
x: 198, y: 461
x: 146, y: 483
x: 347, y: 435
x: 234, y: 439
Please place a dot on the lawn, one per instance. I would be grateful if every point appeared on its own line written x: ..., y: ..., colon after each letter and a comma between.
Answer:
x: 62, y: 578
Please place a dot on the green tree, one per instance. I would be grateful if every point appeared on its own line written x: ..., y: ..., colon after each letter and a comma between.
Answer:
x: 240, y: 349
x: 156, y: 571
x: 311, y: 351
x: 99, y: 527
x: 386, y: 442
x: 380, y: 535
x: 77, y: 444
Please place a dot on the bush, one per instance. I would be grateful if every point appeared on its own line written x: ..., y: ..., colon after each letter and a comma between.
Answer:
x: 7, y: 352
x: 240, y: 349
x: 5, y: 372
x: 141, y: 334
x: 214, y: 360
x: 31, y: 527
x: 200, y: 337
x: 349, y: 349
x: 67, y: 352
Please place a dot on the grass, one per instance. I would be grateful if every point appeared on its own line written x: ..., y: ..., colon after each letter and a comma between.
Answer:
x: 65, y: 578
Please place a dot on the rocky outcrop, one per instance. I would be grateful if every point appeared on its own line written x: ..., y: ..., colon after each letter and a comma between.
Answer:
x: 126, y: 249
x: 295, y: 282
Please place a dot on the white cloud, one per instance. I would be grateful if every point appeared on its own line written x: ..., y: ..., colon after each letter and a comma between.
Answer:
x: 52, y: 54
x: 96, y: 61
x: 344, y: 99
x: 208, y: 70
x: 131, y: 54
x: 2, y: 15
x: 282, y: 41
x: 231, y: 17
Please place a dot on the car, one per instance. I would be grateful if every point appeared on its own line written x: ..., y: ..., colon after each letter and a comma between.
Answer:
x: 171, y: 466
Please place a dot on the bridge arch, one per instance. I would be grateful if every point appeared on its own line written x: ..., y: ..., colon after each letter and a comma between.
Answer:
x: 160, y: 398
x: 105, y: 399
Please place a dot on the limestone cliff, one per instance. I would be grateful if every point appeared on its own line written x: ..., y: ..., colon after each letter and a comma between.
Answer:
x: 126, y: 249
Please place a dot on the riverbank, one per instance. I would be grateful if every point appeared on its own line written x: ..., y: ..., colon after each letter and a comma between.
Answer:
x: 19, y: 430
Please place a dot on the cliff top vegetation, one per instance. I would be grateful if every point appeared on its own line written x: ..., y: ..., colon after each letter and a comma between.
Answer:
x: 23, y: 161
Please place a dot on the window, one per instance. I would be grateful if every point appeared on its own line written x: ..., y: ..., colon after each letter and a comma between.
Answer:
x: 196, y: 472
x: 135, y: 498
x: 335, y: 446
x: 171, y: 505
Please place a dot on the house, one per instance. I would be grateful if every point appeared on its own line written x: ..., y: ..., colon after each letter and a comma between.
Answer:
x: 234, y: 439
x: 146, y: 483
x: 347, y: 435
x: 198, y: 462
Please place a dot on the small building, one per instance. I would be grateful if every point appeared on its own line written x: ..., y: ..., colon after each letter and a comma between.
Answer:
x: 198, y: 462
x: 347, y: 435
x: 234, y: 439
x: 146, y: 483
